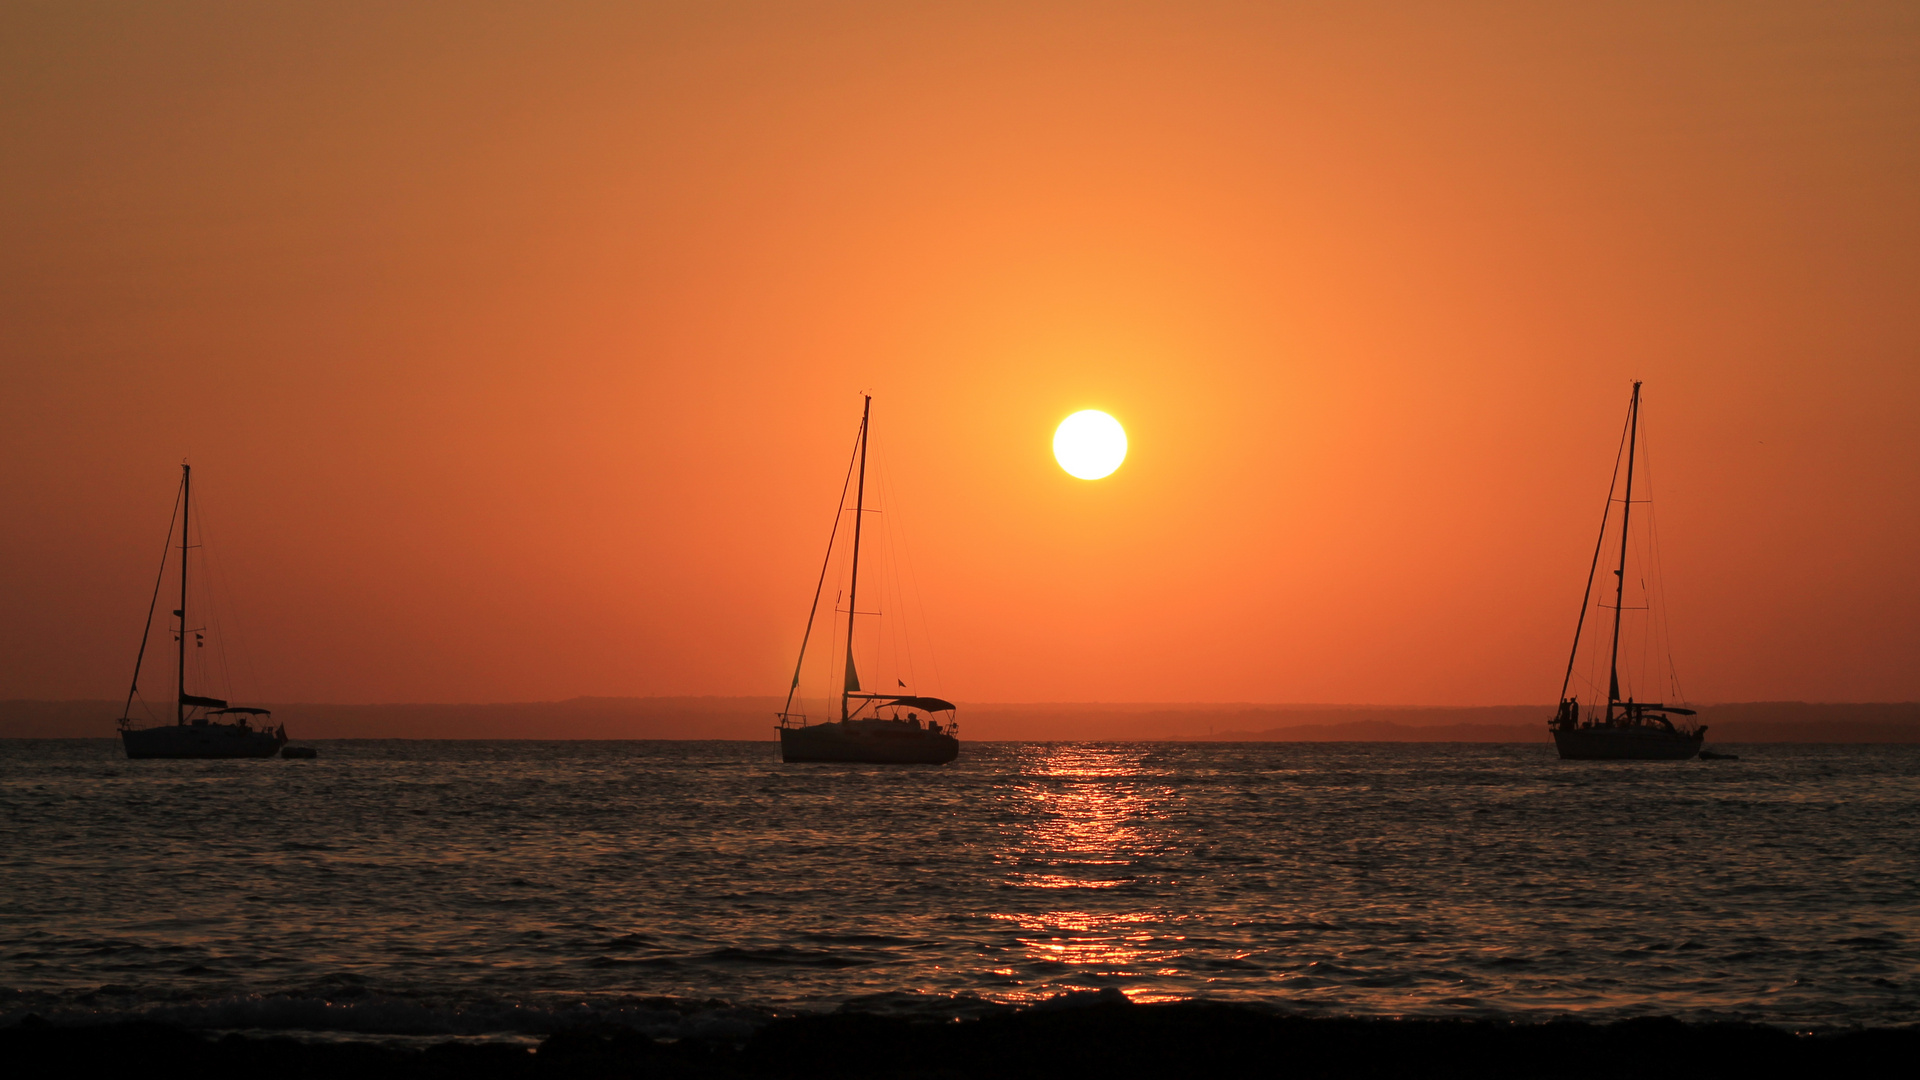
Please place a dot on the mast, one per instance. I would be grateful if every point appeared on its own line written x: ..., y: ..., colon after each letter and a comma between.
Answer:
x: 186, y: 507
x: 1620, y: 575
x: 1593, y: 568
x: 153, y: 602
x: 853, y: 588
x: 839, y: 511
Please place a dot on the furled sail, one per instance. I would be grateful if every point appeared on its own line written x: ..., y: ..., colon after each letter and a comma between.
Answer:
x: 204, y: 702
x: 853, y: 677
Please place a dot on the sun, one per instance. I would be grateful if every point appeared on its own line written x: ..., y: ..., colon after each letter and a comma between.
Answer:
x: 1090, y: 444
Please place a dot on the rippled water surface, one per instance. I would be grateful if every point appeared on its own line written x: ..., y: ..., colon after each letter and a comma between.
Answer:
x: 449, y: 886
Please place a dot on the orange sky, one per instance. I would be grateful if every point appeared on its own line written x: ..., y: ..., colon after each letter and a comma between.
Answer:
x: 518, y: 350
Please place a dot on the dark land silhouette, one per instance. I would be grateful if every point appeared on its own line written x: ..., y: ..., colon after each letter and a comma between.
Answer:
x: 1103, y: 1037
x: 750, y: 718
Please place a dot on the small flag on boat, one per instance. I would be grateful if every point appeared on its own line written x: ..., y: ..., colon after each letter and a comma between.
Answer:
x: 903, y: 686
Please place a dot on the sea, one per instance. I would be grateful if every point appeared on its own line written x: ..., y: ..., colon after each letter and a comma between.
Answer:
x: 505, y: 890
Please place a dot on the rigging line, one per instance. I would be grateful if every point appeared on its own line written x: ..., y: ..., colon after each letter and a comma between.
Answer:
x: 215, y: 590
x: 853, y: 573
x: 186, y: 541
x: 1666, y: 619
x: 222, y: 598
x: 1660, y: 582
x: 1620, y: 571
x: 1592, y: 675
x: 208, y: 618
x: 242, y: 644
x: 885, y: 650
x: 1650, y: 627
x: 833, y: 646
x: 902, y: 625
x: 1654, y: 681
x: 840, y: 511
x: 897, y: 547
x: 902, y: 639
x: 920, y: 601
x: 926, y: 624
x: 883, y: 566
x: 165, y: 549
x: 1598, y: 544
x: 1647, y: 625
x: 897, y: 541
x: 834, y: 677
x: 1645, y: 680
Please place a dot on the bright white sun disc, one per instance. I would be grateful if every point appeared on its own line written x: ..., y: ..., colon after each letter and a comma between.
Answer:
x: 1090, y: 444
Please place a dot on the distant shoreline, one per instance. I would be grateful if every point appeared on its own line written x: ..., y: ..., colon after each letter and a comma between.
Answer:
x: 751, y: 720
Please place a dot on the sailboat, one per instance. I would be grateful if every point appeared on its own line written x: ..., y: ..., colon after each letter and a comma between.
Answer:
x: 877, y: 728
x: 1625, y: 730
x: 203, y: 727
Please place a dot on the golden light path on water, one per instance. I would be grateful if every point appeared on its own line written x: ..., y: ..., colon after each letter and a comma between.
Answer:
x: 1092, y: 815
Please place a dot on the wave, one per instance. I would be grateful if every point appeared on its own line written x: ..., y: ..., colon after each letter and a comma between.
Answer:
x: 375, y: 1014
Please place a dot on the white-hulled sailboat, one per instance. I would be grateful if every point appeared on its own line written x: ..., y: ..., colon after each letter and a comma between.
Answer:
x: 872, y: 728
x: 194, y: 733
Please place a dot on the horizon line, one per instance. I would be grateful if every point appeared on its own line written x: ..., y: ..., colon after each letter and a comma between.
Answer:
x: 978, y: 705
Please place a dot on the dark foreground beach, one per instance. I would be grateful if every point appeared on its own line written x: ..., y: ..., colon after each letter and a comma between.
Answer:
x: 1107, y: 1037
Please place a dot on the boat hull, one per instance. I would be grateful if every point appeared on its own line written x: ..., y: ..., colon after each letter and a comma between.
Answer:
x: 200, y: 741
x: 868, y: 742
x: 1626, y: 744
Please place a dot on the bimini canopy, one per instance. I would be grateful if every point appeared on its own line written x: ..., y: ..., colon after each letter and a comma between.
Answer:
x: 925, y: 704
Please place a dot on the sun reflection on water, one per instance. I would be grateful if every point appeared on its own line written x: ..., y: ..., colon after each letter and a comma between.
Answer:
x: 1091, y: 818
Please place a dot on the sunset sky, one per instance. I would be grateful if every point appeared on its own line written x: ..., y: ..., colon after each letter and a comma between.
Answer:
x: 519, y: 348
